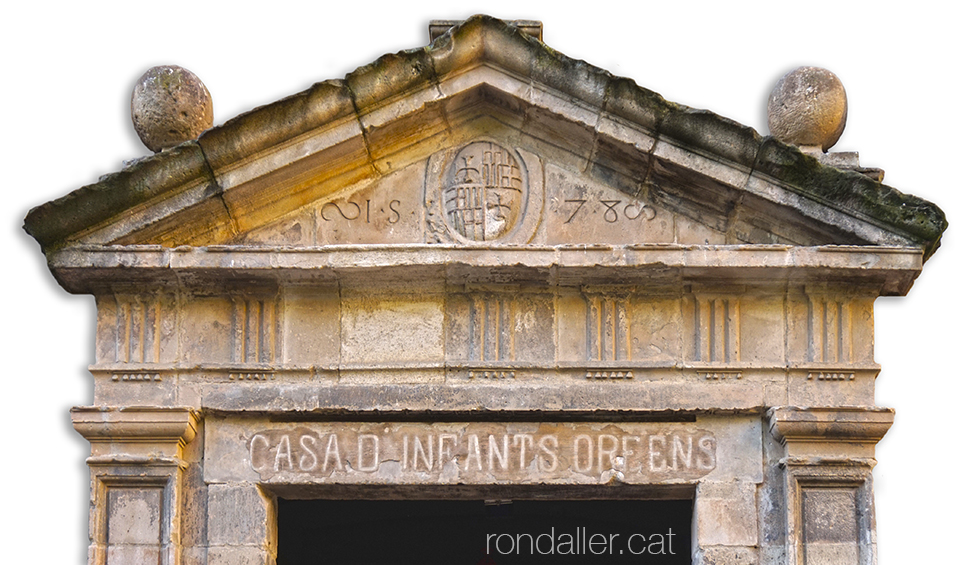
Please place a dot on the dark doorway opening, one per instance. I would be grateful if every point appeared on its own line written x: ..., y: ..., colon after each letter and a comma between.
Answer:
x: 476, y: 532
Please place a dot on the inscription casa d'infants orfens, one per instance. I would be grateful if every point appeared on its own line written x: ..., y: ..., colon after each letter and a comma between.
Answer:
x: 484, y: 451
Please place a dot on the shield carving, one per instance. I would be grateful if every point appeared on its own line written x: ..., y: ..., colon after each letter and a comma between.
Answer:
x: 484, y: 191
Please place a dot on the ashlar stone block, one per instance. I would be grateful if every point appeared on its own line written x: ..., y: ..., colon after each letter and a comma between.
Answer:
x: 137, y: 328
x: 241, y: 515
x: 830, y: 526
x: 725, y: 514
x: 312, y: 327
x: 206, y: 330
x: 499, y: 324
x: 245, y: 555
x: 762, y: 330
x: 134, y: 516
x: 383, y: 329
x: 655, y: 327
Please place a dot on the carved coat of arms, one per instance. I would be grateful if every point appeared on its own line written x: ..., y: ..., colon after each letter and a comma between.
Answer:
x: 484, y: 192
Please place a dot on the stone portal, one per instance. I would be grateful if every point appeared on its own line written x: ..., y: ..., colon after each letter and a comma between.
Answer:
x: 483, y: 271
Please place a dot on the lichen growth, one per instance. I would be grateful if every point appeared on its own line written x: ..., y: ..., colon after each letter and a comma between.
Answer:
x: 398, y: 74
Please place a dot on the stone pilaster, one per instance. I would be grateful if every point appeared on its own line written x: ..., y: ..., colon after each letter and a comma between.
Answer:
x: 136, y: 468
x: 828, y: 485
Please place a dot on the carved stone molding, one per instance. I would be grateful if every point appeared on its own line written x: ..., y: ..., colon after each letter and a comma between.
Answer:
x: 830, y: 433
x: 791, y: 423
x: 136, y: 471
x: 135, y: 431
x: 483, y: 270
x: 830, y: 513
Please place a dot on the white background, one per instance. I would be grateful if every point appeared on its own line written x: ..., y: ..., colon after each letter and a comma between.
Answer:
x: 68, y: 71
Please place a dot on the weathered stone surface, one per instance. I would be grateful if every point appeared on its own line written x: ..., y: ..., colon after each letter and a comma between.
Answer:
x: 136, y: 509
x: 481, y: 453
x: 808, y: 106
x: 136, y: 430
x: 716, y: 134
x: 173, y: 171
x: 227, y: 526
x: 726, y: 514
x: 170, y: 105
x: 245, y: 135
x: 854, y: 191
x: 436, y: 28
x: 245, y: 555
x: 482, y: 270
x: 404, y: 107
x: 886, y: 271
x: 727, y: 556
x: 811, y: 432
x: 376, y: 328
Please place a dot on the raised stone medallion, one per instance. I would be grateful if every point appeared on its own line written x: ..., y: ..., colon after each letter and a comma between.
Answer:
x: 484, y: 192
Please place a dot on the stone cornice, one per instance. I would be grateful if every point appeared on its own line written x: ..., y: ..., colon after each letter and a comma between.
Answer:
x: 792, y: 424
x: 351, y: 129
x: 135, y: 431
x: 888, y: 271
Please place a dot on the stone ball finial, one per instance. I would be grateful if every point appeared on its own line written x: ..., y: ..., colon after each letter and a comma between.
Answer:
x: 808, y: 107
x: 170, y: 105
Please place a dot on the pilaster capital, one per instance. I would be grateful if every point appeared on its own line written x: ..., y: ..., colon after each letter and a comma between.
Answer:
x: 830, y: 433
x: 135, y: 431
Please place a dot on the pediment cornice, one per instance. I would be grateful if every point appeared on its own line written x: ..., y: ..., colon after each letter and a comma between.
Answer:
x: 483, y: 77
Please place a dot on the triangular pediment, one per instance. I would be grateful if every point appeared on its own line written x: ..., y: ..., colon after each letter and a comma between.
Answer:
x: 550, y: 205
x: 485, y: 137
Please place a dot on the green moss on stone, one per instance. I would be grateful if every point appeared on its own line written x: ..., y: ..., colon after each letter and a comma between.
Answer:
x: 849, y: 191
x: 52, y: 223
x: 482, y: 38
x: 712, y: 133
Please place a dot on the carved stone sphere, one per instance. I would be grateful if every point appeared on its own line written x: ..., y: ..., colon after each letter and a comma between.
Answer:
x: 808, y: 106
x: 170, y: 105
